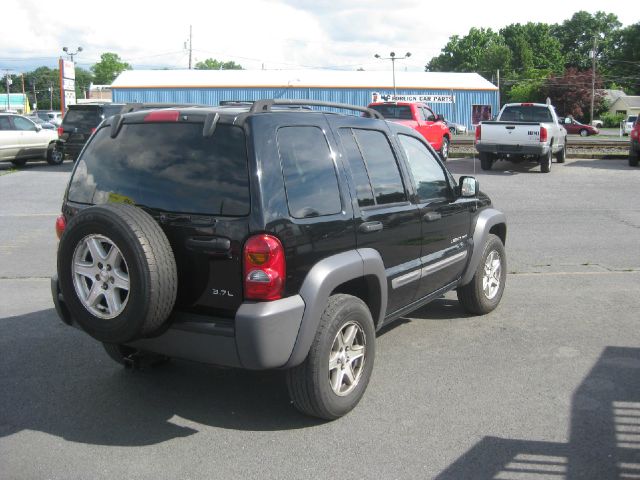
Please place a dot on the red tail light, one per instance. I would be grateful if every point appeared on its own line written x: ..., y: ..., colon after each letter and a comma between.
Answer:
x: 60, y: 131
x: 264, y: 268
x: 543, y: 134
x: 478, y: 133
x: 162, y: 116
x: 61, y: 224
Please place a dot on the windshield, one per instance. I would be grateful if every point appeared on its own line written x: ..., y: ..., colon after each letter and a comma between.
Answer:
x: 166, y: 166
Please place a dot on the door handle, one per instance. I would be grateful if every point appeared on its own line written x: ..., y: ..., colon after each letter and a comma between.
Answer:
x: 210, y: 245
x: 368, y: 227
x: 431, y: 216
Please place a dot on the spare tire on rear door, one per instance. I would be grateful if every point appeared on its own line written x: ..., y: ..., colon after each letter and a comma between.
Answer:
x: 117, y: 272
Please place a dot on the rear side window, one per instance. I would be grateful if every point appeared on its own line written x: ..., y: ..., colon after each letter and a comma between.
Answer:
x: 309, y: 173
x: 166, y: 166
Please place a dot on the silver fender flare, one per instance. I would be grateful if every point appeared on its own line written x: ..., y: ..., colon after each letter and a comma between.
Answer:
x: 486, y: 220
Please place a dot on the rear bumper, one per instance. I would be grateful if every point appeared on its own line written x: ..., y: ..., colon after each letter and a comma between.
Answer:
x: 262, y: 336
x: 501, y: 149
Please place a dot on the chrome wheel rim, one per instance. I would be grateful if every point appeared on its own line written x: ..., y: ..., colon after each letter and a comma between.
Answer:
x: 100, y: 276
x: 492, y: 273
x: 445, y: 148
x: 56, y: 155
x: 347, y: 359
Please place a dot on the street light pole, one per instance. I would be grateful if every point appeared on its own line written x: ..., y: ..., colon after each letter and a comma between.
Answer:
x: 71, y: 55
x: 393, y: 58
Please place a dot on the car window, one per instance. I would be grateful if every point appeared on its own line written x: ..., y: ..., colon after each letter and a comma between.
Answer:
x: 84, y: 117
x: 5, y: 124
x: 428, y: 114
x: 23, y: 124
x: 381, y: 166
x: 398, y: 112
x: 110, y: 110
x: 359, y: 174
x: 310, y: 180
x: 431, y: 182
x: 166, y: 166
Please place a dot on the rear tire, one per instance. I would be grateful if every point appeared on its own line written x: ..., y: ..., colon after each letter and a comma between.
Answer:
x: 334, y: 376
x: 633, y: 159
x: 483, y: 293
x: 486, y: 161
x: 545, y: 162
x: 20, y: 162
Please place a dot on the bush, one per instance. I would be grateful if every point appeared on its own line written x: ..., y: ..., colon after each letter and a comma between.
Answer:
x: 612, y: 120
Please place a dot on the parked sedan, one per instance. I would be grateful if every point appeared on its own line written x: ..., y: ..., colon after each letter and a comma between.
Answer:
x: 22, y: 140
x: 456, y: 127
x: 571, y: 125
x: 52, y: 116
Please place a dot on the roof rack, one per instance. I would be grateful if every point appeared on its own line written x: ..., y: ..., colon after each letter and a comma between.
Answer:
x: 266, y: 106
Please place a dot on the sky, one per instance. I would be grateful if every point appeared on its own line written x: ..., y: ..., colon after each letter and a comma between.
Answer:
x: 270, y: 34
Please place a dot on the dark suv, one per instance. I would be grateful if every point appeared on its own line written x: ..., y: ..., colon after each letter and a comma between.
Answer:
x: 262, y: 237
x: 80, y: 122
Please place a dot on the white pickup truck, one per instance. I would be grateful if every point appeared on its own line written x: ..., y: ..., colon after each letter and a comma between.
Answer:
x: 523, y: 131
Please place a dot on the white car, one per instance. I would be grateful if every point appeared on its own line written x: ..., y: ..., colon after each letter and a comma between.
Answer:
x: 22, y: 140
x: 53, y: 117
x: 628, y: 124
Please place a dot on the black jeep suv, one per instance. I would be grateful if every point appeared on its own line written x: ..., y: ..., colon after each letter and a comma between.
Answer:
x: 79, y: 123
x: 264, y: 237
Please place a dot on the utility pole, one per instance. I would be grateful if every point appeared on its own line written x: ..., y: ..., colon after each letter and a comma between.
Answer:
x: 498, y: 77
x: 50, y: 96
x: 593, y: 74
x: 9, y: 82
x: 190, y: 44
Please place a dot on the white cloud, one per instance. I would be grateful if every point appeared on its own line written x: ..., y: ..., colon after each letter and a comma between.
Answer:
x: 278, y: 34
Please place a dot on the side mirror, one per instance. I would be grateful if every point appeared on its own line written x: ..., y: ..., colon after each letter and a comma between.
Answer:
x: 440, y: 117
x: 468, y: 187
x: 38, y: 127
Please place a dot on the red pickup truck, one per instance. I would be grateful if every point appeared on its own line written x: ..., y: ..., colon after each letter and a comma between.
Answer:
x: 421, y: 118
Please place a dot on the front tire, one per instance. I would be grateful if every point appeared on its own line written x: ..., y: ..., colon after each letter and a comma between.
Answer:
x: 444, y: 149
x: 55, y: 155
x: 483, y: 293
x: 561, y: 156
x: 583, y: 133
x: 334, y: 376
x: 633, y: 159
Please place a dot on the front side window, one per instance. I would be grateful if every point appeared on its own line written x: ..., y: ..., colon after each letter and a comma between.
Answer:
x: 381, y: 165
x: 309, y: 174
x: 23, y: 124
x: 430, y: 179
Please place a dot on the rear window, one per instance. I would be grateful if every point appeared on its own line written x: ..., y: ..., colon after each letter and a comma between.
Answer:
x: 526, y: 113
x: 398, y: 112
x: 166, y: 166
x: 85, y: 117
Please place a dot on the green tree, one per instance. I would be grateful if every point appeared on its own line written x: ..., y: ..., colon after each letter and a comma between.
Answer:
x: 623, y: 64
x: 481, y: 50
x: 577, y: 37
x: 108, y: 68
x: 84, y: 78
x: 41, y: 80
x: 533, y: 47
x: 213, y: 64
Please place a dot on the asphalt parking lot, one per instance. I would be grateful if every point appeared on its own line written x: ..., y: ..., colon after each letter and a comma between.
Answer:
x: 546, y: 386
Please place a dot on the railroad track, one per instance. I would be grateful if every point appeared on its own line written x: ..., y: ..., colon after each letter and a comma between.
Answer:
x: 572, y: 142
